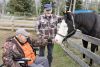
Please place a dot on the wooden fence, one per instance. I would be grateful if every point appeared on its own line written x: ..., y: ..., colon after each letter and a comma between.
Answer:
x: 12, y: 25
x: 96, y: 58
x: 87, y: 52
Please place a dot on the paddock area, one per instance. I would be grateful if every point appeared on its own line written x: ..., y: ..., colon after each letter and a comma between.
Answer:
x: 74, y: 48
x: 60, y: 59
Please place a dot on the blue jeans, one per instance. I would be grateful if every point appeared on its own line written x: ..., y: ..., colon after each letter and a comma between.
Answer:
x: 40, y: 62
x: 50, y: 51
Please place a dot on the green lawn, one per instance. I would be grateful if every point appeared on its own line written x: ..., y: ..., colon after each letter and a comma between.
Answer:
x: 59, y: 58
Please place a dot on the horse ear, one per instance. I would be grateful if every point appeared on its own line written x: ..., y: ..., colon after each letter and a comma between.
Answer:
x: 69, y: 17
x: 65, y: 12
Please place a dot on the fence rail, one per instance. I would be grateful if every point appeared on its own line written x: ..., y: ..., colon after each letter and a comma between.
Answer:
x: 74, y: 57
x: 14, y: 24
x: 87, y: 52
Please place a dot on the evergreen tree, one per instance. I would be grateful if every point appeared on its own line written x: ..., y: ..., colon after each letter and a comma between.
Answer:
x: 22, y: 6
x: 68, y: 2
x: 78, y: 4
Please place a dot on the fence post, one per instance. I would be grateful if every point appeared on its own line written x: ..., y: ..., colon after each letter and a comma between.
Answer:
x: 12, y: 21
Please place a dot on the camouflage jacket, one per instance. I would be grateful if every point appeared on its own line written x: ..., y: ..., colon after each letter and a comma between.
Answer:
x: 11, y: 51
x: 47, y: 26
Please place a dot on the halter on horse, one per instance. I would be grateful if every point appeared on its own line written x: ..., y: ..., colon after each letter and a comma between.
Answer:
x: 63, y: 33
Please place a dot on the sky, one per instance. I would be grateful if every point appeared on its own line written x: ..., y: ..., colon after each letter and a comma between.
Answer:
x: 1, y: 1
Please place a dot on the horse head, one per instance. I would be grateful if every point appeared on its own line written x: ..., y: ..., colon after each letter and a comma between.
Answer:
x: 66, y: 29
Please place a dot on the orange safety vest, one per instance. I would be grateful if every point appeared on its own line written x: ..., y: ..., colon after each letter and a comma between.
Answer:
x: 28, y: 51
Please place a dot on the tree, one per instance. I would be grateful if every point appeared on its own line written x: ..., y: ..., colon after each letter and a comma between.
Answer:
x: 78, y: 4
x: 69, y: 4
x: 21, y: 6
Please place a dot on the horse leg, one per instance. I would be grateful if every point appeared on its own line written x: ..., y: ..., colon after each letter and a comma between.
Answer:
x: 85, y: 45
x: 93, y: 48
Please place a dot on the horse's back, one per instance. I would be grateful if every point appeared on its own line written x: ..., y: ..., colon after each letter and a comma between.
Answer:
x: 85, y: 16
x: 86, y: 21
x: 93, y: 22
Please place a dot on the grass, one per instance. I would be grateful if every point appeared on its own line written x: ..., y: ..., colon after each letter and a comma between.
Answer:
x: 59, y: 58
x: 3, y: 36
x: 62, y: 60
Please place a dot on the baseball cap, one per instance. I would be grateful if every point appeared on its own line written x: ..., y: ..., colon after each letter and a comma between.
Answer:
x: 48, y: 6
x: 22, y: 31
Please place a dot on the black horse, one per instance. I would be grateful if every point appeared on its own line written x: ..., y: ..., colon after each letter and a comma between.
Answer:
x: 88, y: 23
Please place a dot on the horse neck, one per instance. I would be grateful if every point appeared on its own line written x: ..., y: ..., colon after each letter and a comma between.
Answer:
x: 80, y: 20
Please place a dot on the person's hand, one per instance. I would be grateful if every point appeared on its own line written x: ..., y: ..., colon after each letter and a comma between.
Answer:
x: 40, y: 42
x: 44, y: 42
